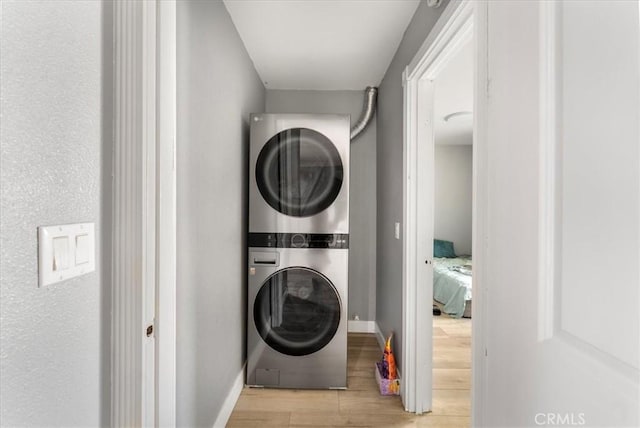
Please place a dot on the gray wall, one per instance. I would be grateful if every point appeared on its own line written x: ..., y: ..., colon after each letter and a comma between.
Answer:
x: 217, y: 89
x: 362, y: 215
x: 52, y: 146
x: 453, y: 195
x: 389, y: 161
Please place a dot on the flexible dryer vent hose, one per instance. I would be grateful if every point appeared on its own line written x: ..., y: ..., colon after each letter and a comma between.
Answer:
x: 371, y: 94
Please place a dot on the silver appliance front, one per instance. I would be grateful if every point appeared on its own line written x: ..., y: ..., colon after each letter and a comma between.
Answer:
x: 297, y: 317
x: 299, y: 173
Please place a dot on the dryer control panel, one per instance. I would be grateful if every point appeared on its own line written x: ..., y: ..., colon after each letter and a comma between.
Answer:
x: 299, y: 240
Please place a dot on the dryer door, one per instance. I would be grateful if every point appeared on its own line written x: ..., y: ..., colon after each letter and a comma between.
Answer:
x: 299, y: 172
x: 297, y: 311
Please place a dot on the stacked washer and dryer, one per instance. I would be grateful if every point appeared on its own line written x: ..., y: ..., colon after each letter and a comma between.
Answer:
x: 298, y: 251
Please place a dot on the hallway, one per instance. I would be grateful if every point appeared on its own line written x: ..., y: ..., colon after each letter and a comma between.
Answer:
x: 362, y: 404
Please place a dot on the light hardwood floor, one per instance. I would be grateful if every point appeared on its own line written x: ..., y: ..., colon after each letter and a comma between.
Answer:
x: 361, y: 404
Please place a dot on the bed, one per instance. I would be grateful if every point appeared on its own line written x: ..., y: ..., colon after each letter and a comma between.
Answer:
x: 452, y: 285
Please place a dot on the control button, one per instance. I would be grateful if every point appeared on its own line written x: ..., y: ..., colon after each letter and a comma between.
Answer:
x: 298, y: 240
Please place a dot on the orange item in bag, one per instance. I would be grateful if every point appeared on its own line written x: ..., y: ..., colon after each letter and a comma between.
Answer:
x: 390, y: 359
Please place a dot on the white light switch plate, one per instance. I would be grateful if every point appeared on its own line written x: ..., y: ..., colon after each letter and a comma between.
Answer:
x: 397, y: 231
x: 65, y: 251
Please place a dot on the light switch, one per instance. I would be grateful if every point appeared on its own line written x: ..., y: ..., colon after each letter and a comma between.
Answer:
x: 397, y: 230
x: 82, y: 249
x: 65, y: 251
x: 60, y: 253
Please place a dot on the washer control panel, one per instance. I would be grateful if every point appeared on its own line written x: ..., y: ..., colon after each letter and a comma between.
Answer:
x: 299, y: 240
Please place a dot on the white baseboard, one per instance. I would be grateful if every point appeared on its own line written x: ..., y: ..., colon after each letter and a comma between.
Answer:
x: 354, y: 326
x: 230, y: 402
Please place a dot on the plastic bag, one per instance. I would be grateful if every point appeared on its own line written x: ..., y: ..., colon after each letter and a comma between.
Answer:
x: 389, y: 361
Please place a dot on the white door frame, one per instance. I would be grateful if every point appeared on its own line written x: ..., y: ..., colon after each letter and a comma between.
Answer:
x: 166, y: 125
x: 143, y: 342
x: 454, y: 28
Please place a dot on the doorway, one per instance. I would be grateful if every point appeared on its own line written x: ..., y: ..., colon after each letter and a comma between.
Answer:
x: 452, y: 234
x: 453, y: 33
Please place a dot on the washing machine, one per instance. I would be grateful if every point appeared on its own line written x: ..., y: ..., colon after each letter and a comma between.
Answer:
x: 299, y: 173
x: 297, y: 310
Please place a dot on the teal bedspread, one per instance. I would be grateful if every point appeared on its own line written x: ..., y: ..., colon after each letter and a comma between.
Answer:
x: 452, y: 283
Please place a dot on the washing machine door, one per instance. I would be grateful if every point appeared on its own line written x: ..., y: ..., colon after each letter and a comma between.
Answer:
x: 297, y: 311
x: 299, y: 172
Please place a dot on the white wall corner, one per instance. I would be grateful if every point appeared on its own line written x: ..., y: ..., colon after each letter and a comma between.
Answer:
x: 232, y: 398
x: 359, y: 326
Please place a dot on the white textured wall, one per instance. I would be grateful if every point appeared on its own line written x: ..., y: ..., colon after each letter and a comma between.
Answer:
x: 218, y: 88
x: 51, y: 142
x: 453, y: 195
x: 362, y: 187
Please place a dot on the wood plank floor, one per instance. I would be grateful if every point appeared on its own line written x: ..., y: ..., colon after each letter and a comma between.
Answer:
x: 361, y: 405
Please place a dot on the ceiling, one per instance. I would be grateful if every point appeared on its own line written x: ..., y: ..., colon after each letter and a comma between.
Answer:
x: 321, y: 44
x: 454, y: 93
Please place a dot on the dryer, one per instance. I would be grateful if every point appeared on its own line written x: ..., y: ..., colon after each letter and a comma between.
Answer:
x: 299, y: 173
x: 297, y: 310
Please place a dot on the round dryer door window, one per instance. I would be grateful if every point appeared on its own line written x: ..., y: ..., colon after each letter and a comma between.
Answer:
x: 299, y: 172
x: 297, y: 311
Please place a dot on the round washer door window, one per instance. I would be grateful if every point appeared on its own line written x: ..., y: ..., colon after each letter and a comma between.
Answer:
x: 299, y: 172
x: 297, y: 311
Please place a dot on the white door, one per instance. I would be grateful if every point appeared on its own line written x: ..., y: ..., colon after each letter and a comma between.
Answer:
x: 561, y: 234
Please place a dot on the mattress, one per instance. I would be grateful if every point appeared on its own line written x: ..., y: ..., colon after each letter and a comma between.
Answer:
x: 452, y: 285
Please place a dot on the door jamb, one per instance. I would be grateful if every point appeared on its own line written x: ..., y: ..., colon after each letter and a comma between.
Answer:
x: 143, y: 335
x: 166, y: 211
x: 456, y: 26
